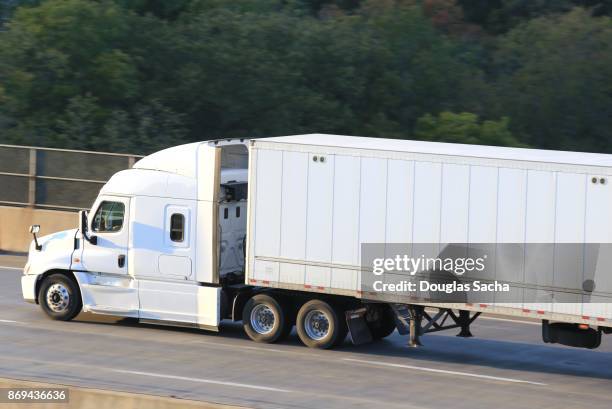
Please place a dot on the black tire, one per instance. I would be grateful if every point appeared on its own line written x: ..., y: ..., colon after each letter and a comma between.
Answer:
x: 384, y: 323
x: 331, y: 327
x: 258, y: 330
x: 59, y: 297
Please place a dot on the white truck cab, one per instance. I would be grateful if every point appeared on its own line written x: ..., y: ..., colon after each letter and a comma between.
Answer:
x: 148, y: 248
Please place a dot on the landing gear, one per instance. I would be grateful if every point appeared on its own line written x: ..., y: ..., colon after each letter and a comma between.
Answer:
x: 464, y: 321
x: 416, y: 314
x: 410, y: 321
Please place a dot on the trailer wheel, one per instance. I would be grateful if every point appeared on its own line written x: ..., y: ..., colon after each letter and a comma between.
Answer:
x: 320, y: 326
x: 59, y: 297
x: 384, y: 323
x: 264, y: 319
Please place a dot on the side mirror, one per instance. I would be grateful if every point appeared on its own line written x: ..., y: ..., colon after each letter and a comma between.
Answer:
x: 83, y: 228
x: 83, y: 222
x: 35, y: 228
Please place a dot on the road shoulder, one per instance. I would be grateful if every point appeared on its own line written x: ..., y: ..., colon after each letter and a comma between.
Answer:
x: 12, y: 260
x: 86, y: 398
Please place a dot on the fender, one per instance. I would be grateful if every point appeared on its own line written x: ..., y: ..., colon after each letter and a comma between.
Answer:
x: 239, y: 301
x: 41, y: 277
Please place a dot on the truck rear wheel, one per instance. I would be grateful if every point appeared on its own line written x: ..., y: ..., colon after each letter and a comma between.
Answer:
x: 383, y: 322
x: 264, y: 319
x: 320, y: 326
x: 59, y: 297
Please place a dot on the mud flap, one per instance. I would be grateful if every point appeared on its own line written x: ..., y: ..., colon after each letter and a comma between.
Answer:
x: 358, y: 328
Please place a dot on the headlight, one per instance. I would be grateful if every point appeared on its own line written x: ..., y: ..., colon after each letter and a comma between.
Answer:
x: 26, y: 269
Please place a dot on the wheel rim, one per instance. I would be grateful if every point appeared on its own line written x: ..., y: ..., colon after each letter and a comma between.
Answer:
x: 262, y: 319
x: 316, y: 324
x: 58, y: 297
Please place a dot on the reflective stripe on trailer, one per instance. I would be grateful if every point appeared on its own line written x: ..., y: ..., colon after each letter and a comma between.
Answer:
x: 526, y: 312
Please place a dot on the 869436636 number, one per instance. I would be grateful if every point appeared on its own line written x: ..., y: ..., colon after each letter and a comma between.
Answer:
x: 33, y: 395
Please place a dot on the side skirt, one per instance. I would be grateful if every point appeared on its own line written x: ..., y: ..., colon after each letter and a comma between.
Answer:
x: 179, y: 324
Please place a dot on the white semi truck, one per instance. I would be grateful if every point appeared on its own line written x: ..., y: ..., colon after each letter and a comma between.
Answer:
x: 271, y: 232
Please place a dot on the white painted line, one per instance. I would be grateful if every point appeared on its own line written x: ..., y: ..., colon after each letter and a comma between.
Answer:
x: 237, y: 346
x: 259, y: 349
x: 11, y: 268
x: 200, y: 380
x: 10, y: 322
x: 443, y: 371
x: 151, y: 374
x: 509, y: 320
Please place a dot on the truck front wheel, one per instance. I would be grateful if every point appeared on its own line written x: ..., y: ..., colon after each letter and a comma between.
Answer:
x: 59, y: 297
x: 264, y: 319
x: 320, y: 326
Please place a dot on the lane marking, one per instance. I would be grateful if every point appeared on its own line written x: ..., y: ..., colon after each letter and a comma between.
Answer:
x: 256, y: 348
x: 236, y: 346
x: 109, y: 386
x: 51, y: 326
x: 509, y: 320
x: 11, y: 268
x: 201, y: 380
x: 10, y: 322
x: 444, y: 371
x: 151, y: 374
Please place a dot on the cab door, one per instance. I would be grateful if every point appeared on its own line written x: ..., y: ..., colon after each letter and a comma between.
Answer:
x: 109, y: 225
x: 106, y: 284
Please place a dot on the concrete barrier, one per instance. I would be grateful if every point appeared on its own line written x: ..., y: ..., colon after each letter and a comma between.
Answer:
x: 14, y: 223
x: 85, y: 398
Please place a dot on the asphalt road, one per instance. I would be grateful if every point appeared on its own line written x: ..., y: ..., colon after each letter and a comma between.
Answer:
x: 504, y: 366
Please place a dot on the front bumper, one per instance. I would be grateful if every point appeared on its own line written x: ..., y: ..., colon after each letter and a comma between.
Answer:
x: 28, y: 287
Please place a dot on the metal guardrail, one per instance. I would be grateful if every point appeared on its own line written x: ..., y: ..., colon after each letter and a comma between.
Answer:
x: 56, y: 178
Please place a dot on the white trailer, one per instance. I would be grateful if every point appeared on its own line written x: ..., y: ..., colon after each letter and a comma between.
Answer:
x: 270, y: 231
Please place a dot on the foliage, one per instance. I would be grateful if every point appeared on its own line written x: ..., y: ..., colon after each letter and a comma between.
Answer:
x: 69, y: 67
x: 499, y: 16
x: 554, y: 81
x: 464, y: 128
x: 137, y: 76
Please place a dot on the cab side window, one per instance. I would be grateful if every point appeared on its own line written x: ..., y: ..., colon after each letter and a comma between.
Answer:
x: 177, y: 227
x: 109, y: 217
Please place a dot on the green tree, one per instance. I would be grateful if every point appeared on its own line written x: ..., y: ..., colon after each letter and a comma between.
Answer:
x: 67, y: 67
x: 553, y: 80
x: 499, y: 16
x: 163, y: 9
x: 138, y: 76
x: 78, y: 127
x: 464, y: 128
x: 269, y: 73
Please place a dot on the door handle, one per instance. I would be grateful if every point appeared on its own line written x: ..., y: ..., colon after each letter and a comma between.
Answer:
x: 121, y: 260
